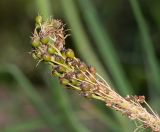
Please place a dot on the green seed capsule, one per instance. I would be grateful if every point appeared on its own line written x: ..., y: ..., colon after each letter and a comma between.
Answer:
x: 36, y: 43
x: 64, y: 81
x: 39, y: 19
x: 70, y: 53
x: 46, y: 57
x: 63, y: 53
x: 51, y: 50
x: 45, y: 40
x: 74, y: 82
x: 55, y: 73
x: 80, y: 76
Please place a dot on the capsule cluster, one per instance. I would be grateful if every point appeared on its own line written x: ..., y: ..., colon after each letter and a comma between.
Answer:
x: 48, y: 45
x: 48, y: 42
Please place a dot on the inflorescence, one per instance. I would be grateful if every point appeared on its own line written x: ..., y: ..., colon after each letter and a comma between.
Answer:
x: 48, y: 42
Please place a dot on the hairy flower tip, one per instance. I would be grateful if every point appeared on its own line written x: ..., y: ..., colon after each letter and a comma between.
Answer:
x: 48, y: 37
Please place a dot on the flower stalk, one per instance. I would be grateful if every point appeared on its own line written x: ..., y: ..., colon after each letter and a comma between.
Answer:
x: 48, y: 42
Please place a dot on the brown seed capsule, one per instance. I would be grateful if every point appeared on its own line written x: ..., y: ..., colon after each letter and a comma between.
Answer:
x: 92, y: 69
x: 87, y: 95
x: 80, y: 76
x: 85, y: 87
x: 60, y: 69
x: 83, y: 66
x: 69, y: 61
x: 69, y: 75
x: 59, y: 59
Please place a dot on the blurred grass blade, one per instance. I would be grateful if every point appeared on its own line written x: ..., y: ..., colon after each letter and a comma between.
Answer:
x: 43, y: 8
x: 110, y: 122
x: 31, y: 125
x: 105, y: 46
x: 31, y: 93
x: 147, y: 45
x: 81, y: 41
x: 63, y: 103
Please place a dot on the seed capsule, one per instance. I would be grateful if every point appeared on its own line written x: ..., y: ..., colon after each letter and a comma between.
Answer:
x: 39, y: 19
x: 45, y: 40
x: 36, y: 43
x: 85, y: 87
x: 87, y: 95
x: 80, y: 76
x: 69, y: 75
x: 70, y: 53
x: 55, y: 73
x: 83, y: 66
x: 74, y: 82
x: 63, y: 52
x: 60, y: 69
x: 92, y: 69
x: 64, y: 81
x: 51, y: 50
x: 59, y: 59
x: 46, y: 57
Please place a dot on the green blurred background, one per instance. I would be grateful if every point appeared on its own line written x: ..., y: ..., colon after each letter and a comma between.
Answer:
x: 120, y: 38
